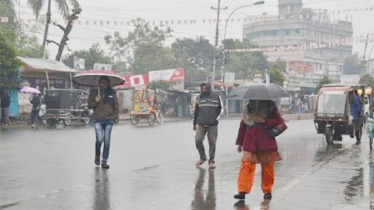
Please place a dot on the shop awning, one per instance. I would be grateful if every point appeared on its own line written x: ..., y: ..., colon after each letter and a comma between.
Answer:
x: 36, y: 64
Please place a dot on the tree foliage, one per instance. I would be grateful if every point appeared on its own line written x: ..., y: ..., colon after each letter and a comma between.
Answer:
x: 162, y: 85
x: 27, y: 43
x: 352, y: 65
x: 9, y: 64
x: 245, y: 64
x: 142, y: 49
x: 276, y: 72
x: 9, y: 28
x: 367, y: 80
x: 195, y: 56
x: 325, y: 80
x: 95, y: 54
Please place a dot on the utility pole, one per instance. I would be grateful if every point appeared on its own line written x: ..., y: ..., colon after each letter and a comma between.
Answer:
x: 364, y: 61
x: 218, y: 9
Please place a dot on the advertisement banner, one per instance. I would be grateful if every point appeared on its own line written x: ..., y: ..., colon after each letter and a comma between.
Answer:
x: 229, y: 78
x: 79, y: 63
x: 134, y: 81
x: 350, y: 79
x: 170, y: 75
x: 102, y: 66
x: 300, y: 67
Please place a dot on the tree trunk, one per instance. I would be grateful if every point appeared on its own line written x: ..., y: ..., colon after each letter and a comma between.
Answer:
x: 46, y: 29
x: 67, y: 31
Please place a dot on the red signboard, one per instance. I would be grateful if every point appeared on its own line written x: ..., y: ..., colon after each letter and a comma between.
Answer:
x: 300, y: 67
x: 134, y: 81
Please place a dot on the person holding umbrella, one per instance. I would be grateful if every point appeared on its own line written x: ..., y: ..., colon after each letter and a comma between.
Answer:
x: 260, y: 124
x: 104, y: 103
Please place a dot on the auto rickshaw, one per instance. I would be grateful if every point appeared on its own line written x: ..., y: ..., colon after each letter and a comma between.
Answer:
x: 145, y: 106
x: 332, y: 115
x: 66, y: 105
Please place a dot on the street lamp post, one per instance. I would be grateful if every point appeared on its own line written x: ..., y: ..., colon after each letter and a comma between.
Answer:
x: 249, y: 5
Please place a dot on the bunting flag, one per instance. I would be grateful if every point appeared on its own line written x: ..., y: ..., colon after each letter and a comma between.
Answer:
x: 187, y: 22
x: 349, y: 41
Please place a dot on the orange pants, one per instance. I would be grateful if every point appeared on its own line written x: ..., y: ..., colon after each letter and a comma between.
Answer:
x: 247, y: 174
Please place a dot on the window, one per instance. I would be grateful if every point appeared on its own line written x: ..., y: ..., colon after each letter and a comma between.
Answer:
x: 273, y: 33
x: 287, y: 32
x: 297, y: 31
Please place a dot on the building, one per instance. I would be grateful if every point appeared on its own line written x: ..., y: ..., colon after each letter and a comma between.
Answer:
x: 44, y: 74
x: 300, y: 26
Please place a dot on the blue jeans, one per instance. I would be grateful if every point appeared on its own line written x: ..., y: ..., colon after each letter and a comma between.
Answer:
x: 103, y: 130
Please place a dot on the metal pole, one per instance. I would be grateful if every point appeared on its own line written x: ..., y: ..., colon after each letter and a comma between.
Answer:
x: 216, y: 44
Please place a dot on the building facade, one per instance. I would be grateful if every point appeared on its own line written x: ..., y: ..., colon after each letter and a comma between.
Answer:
x: 297, y: 26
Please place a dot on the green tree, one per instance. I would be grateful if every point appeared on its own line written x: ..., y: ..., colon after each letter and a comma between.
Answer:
x: 325, y: 80
x: 27, y: 43
x: 367, y: 80
x: 9, y: 28
x: 9, y: 64
x: 162, y: 85
x: 95, y: 54
x: 352, y: 65
x: 142, y: 49
x: 276, y: 72
x: 195, y: 56
x: 63, y: 6
x: 245, y: 65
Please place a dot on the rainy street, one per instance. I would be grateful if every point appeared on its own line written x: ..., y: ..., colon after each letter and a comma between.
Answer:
x: 154, y: 168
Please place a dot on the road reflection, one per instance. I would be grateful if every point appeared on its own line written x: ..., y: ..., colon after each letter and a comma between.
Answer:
x: 199, y: 202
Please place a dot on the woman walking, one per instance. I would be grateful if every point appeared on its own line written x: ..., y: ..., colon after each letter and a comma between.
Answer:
x: 260, y: 125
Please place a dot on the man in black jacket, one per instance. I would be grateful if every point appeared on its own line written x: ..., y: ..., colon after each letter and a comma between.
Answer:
x: 208, y: 110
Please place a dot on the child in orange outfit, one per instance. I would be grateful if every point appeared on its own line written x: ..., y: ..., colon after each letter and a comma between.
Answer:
x: 260, y: 124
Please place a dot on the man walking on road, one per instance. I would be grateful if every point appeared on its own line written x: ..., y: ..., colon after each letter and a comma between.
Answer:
x: 208, y: 110
x: 106, y: 111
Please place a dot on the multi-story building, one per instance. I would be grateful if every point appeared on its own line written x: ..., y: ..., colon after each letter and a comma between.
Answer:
x: 297, y: 26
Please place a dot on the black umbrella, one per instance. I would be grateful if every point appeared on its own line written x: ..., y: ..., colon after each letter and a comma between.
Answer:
x: 258, y: 92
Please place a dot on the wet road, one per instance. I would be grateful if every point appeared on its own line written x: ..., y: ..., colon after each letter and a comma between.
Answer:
x: 153, y: 168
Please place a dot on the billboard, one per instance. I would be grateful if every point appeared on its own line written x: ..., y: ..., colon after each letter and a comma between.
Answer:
x: 102, y: 66
x: 350, y: 79
x: 169, y: 75
x: 79, y: 63
x: 134, y: 81
x: 300, y: 67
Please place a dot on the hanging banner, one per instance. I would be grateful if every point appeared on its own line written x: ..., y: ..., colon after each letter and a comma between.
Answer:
x: 79, y: 63
x: 102, y: 66
x: 170, y: 75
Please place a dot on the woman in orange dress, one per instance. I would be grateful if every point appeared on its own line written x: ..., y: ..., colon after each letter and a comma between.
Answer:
x: 256, y: 137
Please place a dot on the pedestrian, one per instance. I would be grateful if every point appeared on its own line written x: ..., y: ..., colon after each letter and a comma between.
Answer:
x: 260, y: 124
x: 208, y: 110
x: 36, y: 104
x: 104, y: 103
x: 5, y: 103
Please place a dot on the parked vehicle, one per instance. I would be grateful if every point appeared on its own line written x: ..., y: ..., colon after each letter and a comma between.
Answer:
x: 66, y: 105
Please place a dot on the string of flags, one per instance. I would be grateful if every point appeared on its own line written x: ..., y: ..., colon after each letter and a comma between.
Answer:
x: 349, y: 41
x: 185, y: 22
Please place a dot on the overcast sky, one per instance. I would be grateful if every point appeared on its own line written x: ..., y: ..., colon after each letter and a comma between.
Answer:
x: 83, y: 36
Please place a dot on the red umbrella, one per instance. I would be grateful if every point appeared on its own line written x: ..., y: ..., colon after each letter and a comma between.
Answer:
x: 91, y: 78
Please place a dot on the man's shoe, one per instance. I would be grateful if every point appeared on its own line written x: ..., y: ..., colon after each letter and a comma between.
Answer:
x: 240, y: 196
x: 104, y: 166
x: 97, y: 160
x: 212, y: 165
x: 267, y: 196
x: 200, y: 162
